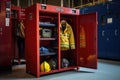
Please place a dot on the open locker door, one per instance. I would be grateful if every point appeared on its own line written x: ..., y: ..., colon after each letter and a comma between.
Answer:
x: 87, y: 41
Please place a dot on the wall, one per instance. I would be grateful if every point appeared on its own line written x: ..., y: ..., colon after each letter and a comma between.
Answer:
x: 54, y: 2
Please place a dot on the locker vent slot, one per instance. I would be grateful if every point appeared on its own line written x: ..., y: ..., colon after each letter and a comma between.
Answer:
x: 73, y: 11
x: 43, y: 6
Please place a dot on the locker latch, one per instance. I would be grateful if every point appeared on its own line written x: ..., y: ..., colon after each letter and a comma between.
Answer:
x: 103, y: 33
x: 43, y: 6
x: 1, y: 31
x: 116, y: 32
x: 73, y: 10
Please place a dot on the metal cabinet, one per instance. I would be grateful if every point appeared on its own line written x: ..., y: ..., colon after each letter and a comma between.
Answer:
x: 80, y: 57
x: 86, y: 57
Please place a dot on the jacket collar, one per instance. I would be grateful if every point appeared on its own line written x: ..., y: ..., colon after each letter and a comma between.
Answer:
x: 67, y: 26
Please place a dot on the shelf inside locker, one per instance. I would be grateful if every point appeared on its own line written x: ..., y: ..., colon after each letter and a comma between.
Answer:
x: 48, y: 54
x: 49, y: 17
x: 47, y: 24
x: 52, y: 71
x: 47, y: 38
x: 14, y: 18
x: 68, y: 68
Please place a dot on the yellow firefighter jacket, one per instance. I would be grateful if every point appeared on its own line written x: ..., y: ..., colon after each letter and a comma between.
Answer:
x: 20, y: 30
x: 67, y: 38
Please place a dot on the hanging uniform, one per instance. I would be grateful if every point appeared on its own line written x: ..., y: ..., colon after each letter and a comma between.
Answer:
x: 20, y: 33
x: 20, y: 30
x: 67, y: 38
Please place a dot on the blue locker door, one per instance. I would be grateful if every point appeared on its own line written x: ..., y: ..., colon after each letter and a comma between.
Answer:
x: 117, y: 44
x: 110, y: 39
x: 112, y: 42
x: 102, y: 47
x: 106, y: 43
x: 117, y: 35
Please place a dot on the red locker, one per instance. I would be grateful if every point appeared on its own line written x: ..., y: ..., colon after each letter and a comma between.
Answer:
x: 85, y: 34
x: 17, y: 14
x: 5, y: 36
x: 8, y: 48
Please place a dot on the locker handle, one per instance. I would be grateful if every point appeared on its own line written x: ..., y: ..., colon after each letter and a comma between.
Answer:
x: 1, y: 29
x: 116, y: 32
x: 103, y: 33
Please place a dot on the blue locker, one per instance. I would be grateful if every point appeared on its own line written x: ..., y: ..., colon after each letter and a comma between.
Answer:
x: 108, y: 33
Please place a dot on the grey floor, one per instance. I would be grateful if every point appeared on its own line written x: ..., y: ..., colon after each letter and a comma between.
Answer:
x: 107, y: 70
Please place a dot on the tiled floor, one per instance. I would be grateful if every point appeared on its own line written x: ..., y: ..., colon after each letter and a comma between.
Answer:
x: 107, y: 70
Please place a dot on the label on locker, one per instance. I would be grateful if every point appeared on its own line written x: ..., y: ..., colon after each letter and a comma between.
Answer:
x: 7, y: 22
x: 7, y: 14
x: 109, y: 20
x: 8, y: 6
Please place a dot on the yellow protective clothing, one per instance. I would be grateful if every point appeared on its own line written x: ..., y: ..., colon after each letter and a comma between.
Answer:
x: 82, y: 38
x: 45, y: 67
x: 67, y: 38
x: 22, y: 28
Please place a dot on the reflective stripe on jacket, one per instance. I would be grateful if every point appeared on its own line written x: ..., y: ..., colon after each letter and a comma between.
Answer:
x: 67, y: 38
